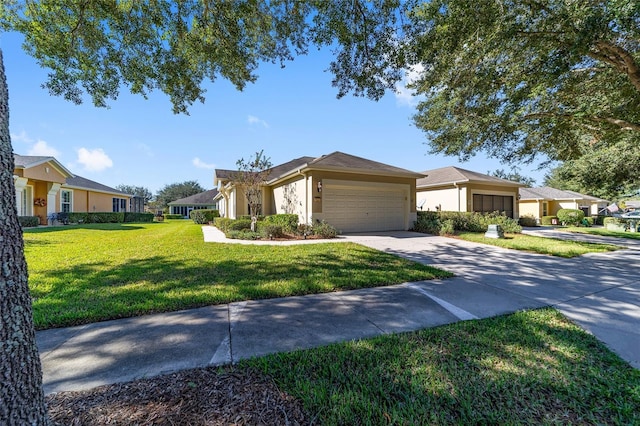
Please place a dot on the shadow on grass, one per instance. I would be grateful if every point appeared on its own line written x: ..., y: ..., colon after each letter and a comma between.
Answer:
x: 87, y: 226
x: 99, y: 291
x: 527, y: 368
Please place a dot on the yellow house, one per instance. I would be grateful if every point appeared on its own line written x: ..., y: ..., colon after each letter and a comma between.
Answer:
x: 44, y: 186
x: 546, y: 201
x: 351, y: 193
x: 455, y: 189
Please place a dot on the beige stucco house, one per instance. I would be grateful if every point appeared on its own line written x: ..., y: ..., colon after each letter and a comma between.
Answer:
x: 546, y: 201
x: 455, y: 189
x: 44, y: 186
x: 351, y: 193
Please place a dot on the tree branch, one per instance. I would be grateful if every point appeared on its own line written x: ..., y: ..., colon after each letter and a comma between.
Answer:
x: 618, y: 122
x: 620, y: 58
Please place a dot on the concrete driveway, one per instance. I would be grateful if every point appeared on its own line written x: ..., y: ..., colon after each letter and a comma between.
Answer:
x: 600, y: 292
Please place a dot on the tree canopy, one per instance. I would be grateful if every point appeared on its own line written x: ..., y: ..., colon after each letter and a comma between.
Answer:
x: 139, y: 191
x: 513, y: 175
x: 176, y: 191
x: 519, y: 78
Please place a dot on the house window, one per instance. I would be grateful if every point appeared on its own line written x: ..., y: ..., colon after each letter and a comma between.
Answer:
x: 66, y: 201
x: 491, y: 203
x: 119, y: 204
x: 24, y: 208
x: 545, y: 209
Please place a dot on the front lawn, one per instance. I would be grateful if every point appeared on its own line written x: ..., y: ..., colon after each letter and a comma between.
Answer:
x: 88, y: 273
x: 542, y: 245
x: 531, y: 367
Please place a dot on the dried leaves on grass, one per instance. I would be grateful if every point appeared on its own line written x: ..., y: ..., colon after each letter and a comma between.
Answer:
x: 205, y: 396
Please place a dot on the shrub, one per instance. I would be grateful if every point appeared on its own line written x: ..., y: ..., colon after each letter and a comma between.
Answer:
x: 202, y: 216
x: 548, y: 220
x: 599, y: 220
x: 138, y: 217
x: 428, y: 222
x: 94, y: 217
x: 242, y: 234
x: 613, y: 220
x: 432, y: 222
x: 528, y: 220
x: 222, y: 223
x: 268, y: 230
x: 248, y: 217
x: 288, y: 222
x: 28, y: 221
x: 588, y: 221
x: 239, y: 224
x: 447, y: 227
x: 570, y: 216
x: 173, y: 216
x: 324, y: 230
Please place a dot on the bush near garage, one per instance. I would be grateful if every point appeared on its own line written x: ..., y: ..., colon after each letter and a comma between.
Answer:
x: 528, y: 220
x: 570, y: 217
x: 288, y: 222
x: 447, y: 223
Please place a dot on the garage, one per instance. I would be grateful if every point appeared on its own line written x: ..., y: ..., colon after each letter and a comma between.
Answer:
x: 360, y: 207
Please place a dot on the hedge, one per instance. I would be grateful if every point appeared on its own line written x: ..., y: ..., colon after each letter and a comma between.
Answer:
x: 548, y: 220
x: 288, y: 222
x: 173, y: 216
x: 28, y: 221
x: 528, y: 220
x: 443, y: 223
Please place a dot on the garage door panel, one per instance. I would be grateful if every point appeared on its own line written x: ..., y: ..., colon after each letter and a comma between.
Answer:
x: 362, y: 209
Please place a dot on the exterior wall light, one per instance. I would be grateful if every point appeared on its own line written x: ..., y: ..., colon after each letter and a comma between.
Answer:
x: 319, y: 186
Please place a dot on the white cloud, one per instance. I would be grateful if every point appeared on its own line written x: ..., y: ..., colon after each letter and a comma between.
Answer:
x: 21, y: 137
x: 201, y: 164
x: 404, y: 95
x: 255, y: 120
x: 42, y: 148
x: 94, y: 160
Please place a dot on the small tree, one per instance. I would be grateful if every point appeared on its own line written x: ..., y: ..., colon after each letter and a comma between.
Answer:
x: 250, y: 177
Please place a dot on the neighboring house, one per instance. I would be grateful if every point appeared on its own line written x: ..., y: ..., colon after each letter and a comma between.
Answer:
x: 546, y: 201
x: 44, y: 186
x: 203, y: 200
x: 351, y: 193
x: 455, y: 189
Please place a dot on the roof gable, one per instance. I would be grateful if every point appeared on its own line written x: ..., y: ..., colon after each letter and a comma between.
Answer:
x: 453, y: 175
x: 549, y: 193
x: 203, y: 198
x: 336, y: 161
x: 29, y: 161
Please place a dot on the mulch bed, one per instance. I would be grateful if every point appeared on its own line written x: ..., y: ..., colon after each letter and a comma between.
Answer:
x: 206, y: 396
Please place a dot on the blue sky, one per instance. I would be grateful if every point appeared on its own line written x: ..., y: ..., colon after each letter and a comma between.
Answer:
x: 288, y: 113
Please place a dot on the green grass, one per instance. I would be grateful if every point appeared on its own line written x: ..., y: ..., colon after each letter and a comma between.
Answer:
x: 604, y: 232
x: 83, y: 274
x: 531, y: 367
x: 542, y: 245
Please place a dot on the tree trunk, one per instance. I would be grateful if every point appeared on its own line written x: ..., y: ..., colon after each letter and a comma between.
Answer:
x: 21, y: 395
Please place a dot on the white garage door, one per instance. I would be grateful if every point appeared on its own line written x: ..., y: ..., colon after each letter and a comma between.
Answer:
x: 364, y: 208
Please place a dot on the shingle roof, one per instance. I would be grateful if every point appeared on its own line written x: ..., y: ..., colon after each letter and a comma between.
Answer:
x: 549, y: 193
x: 451, y: 175
x: 27, y: 161
x: 336, y: 161
x: 203, y: 198
x: 339, y: 160
x: 84, y: 183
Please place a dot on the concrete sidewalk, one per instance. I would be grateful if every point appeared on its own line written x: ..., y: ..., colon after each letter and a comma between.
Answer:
x: 601, y: 292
